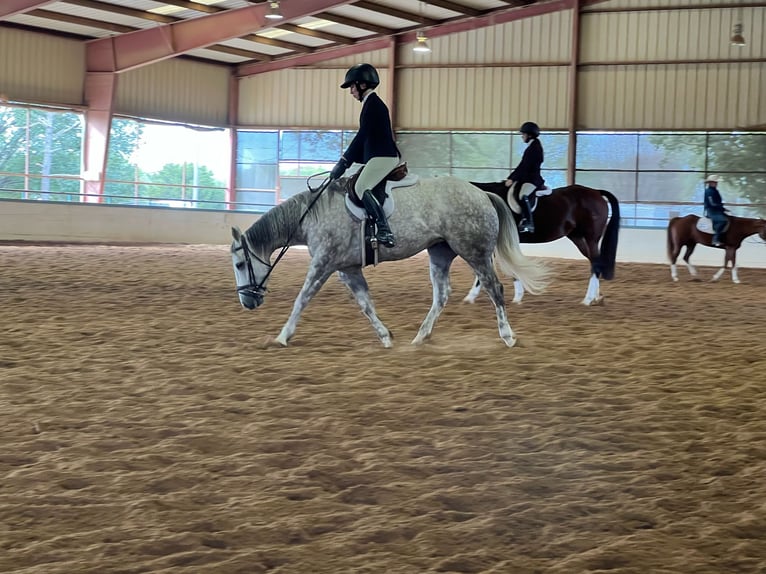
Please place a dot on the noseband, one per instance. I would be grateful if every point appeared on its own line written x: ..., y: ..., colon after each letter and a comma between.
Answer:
x: 254, y: 289
x: 257, y: 289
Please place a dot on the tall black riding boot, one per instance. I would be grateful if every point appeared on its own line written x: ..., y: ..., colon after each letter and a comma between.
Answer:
x: 527, y: 224
x: 375, y: 210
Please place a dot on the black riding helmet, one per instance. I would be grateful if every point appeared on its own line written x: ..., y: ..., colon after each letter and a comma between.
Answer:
x: 530, y: 128
x: 361, y: 74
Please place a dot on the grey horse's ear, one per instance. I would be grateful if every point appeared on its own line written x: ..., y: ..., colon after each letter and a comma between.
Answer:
x: 236, y: 233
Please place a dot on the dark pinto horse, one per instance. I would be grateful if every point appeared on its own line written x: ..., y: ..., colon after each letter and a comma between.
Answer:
x: 578, y: 213
x: 683, y: 231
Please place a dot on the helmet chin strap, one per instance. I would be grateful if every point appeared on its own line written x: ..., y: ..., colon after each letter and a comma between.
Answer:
x: 360, y: 91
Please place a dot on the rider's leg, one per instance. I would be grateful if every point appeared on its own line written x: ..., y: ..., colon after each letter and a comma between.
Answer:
x: 371, y: 175
x: 719, y: 223
x: 527, y: 224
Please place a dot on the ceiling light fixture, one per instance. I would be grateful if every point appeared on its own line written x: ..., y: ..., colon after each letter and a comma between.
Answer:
x: 422, y: 46
x: 737, y: 39
x: 274, y: 13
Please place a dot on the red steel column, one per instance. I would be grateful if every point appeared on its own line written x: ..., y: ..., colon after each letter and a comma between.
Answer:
x: 573, y: 69
x: 233, y: 120
x: 99, y: 96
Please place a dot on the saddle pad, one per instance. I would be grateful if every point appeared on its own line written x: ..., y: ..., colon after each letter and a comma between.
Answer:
x: 516, y: 208
x: 705, y: 225
x: 543, y: 192
x: 360, y: 214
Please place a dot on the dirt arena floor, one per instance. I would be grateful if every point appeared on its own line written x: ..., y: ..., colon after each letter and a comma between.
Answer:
x: 148, y: 427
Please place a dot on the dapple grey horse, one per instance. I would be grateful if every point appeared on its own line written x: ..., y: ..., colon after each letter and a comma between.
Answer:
x: 447, y: 216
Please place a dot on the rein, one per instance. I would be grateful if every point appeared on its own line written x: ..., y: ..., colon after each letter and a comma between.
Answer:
x: 256, y: 289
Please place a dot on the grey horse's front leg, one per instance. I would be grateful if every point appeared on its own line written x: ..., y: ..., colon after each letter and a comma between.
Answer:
x: 357, y: 284
x: 315, y: 278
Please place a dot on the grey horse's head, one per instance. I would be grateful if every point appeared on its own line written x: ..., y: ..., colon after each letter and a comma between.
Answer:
x: 251, y: 271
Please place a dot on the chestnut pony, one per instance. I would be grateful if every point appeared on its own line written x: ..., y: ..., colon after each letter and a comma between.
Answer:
x: 683, y: 231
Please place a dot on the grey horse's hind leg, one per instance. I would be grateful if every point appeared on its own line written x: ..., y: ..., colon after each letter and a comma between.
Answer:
x: 488, y: 278
x: 317, y: 274
x: 357, y: 284
x: 441, y: 257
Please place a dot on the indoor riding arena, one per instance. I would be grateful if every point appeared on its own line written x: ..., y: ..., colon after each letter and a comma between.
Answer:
x: 153, y: 424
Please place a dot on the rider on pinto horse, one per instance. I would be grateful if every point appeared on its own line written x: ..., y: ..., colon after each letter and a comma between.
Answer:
x: 526, y: 178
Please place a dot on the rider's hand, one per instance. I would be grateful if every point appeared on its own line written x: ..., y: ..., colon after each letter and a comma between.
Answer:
x: 339, y: 169
x: 508, y: 182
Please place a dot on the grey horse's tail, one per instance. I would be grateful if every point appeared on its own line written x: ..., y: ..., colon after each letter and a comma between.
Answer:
x: 533, y: 274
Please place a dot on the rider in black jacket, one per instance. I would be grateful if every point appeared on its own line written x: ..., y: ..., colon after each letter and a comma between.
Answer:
x: 526, y: 178
x: 373, y: 145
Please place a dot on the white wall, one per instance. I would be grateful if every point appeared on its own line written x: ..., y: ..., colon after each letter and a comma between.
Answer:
x: 75, y: 222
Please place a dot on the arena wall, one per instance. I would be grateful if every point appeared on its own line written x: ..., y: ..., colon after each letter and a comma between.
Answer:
x: 66, y: 222
x: 93, y: 223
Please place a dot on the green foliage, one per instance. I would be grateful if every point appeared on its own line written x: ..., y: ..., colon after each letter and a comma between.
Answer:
x: 738, y: 158
x: 169, y: 182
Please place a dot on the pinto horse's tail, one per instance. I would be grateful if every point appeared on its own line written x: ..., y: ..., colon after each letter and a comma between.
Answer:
x: 608, y: 250
x: 533, y: 274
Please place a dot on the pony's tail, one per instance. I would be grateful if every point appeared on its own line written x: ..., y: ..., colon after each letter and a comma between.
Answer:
x: 608, y: 248
x: 533, y: 274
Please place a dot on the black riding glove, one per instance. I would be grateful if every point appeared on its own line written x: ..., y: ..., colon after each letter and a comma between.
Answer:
x: 339, y: 169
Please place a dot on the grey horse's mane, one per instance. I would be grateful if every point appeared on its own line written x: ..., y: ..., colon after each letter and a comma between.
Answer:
x: 280, y: 221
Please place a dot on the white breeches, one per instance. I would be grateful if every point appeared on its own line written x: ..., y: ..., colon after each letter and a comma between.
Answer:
x: 526, y: 189
x: 373, y: 173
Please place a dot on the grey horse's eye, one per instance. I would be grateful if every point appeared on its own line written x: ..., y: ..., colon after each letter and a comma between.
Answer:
x: 239, y: 264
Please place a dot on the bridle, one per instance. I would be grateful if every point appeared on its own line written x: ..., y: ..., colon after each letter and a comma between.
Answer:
x: 257, y: 289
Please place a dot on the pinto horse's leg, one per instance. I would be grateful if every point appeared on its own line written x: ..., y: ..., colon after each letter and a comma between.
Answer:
x: 315, y: 278
x: 692, y: 269
x: 357, y: 284
x: 731, y: 252
x: 441, y: 256
x: 589, y: 248
x: 730, y: 255
x: 518, y: 291
x: 474, y: 292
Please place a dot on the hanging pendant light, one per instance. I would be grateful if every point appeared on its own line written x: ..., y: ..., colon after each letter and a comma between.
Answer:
x: 737, y: 39
x: 274, y: 13
x: 422, y: 46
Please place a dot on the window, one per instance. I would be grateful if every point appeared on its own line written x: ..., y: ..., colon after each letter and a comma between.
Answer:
x: 40, y: 153
x: 660, y: 175
x: 167, y: 165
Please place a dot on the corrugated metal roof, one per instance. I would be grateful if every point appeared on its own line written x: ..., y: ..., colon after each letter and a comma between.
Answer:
x: 338, y: 26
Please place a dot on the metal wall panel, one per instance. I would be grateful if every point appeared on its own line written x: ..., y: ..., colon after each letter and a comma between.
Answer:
x: 673, y: 97
x: 704, y: 84
x: 546, y: 38
x: 378, y: 58
x: 300, y: 98
x: 41, y: 68
x: 647, y: 4
x: 496, y: 98
x: 671, y: 35
x: 176, y: 90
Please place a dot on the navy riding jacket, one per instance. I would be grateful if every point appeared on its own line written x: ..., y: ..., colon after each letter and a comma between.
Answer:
x: 375, y: 137
x: 713, y: 202
x: 528, y: 170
